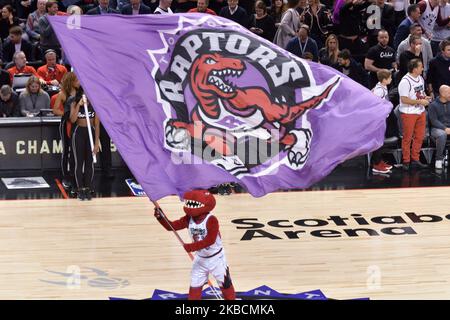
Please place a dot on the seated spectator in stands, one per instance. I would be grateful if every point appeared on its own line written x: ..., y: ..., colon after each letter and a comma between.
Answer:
x: 182, y: 6
x: 5, y: 78
x: 348, y: 66
x: 439, y: 114
x: 102, y: 8
x: 23, y: 8
x: 261, y: 23
x: 20, y: 66
x: 87, y: 5
x: 202, y: 7
x: 350, y: 28
x: 303, y: 43
x: 403, y: 28
x: 384, y: 77
x: 33, y: 99
x: 441, y: 31
x: 439, y: 69
x: 164, y: 7
x: 399, y: 11
x: 413, y: 101
x: 51, y: 72
x: 414, y: 52
x: 48, y: 39
x: 74, y: 10
x: 386, y: 22
x: 32, y: 25
x: 235, y: 13
x: 380, y: 57
x: 308, y: 56
x: 289, y: 25
x: 328, y: 55
x: 276, y: 11
x: 7, y: 21
x: 318, y: 19
x: 135, y: 7
x: 426, y: 51
x: 9, y: 103
x: 14, y: 44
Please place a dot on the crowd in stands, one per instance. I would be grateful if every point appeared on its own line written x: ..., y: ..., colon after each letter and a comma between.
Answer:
x: 400, y: 49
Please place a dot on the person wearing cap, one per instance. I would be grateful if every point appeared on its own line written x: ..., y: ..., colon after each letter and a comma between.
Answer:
x: 51, y: 72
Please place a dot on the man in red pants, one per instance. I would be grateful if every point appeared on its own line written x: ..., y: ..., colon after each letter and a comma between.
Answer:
x: 203, y: 228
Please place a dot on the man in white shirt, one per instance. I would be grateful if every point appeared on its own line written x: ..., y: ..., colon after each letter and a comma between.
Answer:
x: 164, y: 7
x: 413, y: 101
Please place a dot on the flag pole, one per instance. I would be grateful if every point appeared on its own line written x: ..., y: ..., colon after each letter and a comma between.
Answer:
x: 156, y: 204
x: 91, y: 140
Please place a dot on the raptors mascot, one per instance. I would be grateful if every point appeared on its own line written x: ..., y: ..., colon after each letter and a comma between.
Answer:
x: 203, y: 228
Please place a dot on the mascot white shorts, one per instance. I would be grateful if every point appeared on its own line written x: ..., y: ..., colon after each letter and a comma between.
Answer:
x: 202, y: 267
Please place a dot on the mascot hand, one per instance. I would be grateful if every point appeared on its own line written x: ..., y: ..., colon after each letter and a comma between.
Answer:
x: 188, y: 247
x: 157, y: 214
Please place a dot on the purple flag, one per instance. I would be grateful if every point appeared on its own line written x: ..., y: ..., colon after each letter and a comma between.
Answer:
x: 194, y: 100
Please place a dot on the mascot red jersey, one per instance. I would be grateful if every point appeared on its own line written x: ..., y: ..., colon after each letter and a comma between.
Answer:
x: 203, y: 228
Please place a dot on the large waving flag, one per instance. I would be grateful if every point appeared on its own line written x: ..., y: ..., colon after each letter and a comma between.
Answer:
x: 194, y: 100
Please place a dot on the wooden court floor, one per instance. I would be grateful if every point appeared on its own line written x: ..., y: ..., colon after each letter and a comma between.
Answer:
x: 67, y: 249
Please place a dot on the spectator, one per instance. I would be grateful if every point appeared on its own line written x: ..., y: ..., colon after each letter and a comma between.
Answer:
x: 308, y: 56
x: 412, y: 113
x: 135, y: 7
x: 328, y: 55
x: 261, y: 23
x: 102, y: 8
x: 317, y: 18
x: 23, y: 8
x: 202, y: 7
x: 14, y: 44
x: 5, y: 78
x: 441, y: 30
x: 9, y: 103
x: 439, y: 69
x: 48, y: 39
x: 403, y: 28
x: 74, y: 10
x: 87, y: 5
x: 439, y: 114
x: 51, y: 72
x: 303, y: 43
x: 8, y: 21
x: 20, y: 66
x: 380, y: 90
x: 289, y: 26
x: 32, y: 25
x: 235, y: 13
x: 399, y: 11
x: 426, y: 51
x: 164, y: 7
x: 276, y: 11
x: 301, y: 8
x: 33, y: 99
x: 379, y: 57
x: 429, y: 13
x: 387, y: 22
x: 348, y: 66
x: 414, y: 52
x: 350, y: 28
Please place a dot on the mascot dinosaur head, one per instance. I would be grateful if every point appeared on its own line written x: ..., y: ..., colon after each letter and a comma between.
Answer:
x: 212, y: 76
x: 198, y: 202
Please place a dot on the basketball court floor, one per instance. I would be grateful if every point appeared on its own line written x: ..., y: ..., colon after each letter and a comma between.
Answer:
x: 350, y: 242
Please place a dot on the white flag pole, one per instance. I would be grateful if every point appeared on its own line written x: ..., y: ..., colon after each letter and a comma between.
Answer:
x: 91, y: 140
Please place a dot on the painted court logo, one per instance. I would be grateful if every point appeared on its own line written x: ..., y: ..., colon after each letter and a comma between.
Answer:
x: 233, y: 100
x: 334, y: 226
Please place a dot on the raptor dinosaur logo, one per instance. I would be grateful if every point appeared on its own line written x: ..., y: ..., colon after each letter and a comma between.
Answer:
x: 238, y: 102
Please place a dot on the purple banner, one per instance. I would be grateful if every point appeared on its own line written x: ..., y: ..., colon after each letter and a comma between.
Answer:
x: 194, y: 100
